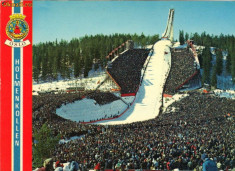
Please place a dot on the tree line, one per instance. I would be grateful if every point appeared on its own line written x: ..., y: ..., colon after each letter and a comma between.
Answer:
x: 221, y: 43
x: 64, y: 59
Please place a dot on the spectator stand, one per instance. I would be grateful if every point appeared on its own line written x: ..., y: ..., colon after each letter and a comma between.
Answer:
x: 113, y: 52
x: 190, y: 43
x: 119, y: 88
x: 196, y: 75
x: 186, y: 77
x: 125, y: 95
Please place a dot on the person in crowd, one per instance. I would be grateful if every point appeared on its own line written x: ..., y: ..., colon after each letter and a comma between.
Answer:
x: 208, y: 164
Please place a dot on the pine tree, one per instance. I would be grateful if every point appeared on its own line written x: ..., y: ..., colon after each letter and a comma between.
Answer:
x: 197, y: 39
x: 44, y: 146
x: 214, y: 78
x: 77, y: 63
x: 228, y: 63
x: 206, y: 66
x: 233, y: 65
x: 142, y: 40
x: 181, y: 37
x: 55, y: 64
x: 219, y: 62
x: 36, y: 65
x: 186, y: 36
x: 44, y: 65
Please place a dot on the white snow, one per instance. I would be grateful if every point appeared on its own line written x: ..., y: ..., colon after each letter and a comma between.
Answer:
x: 87, y: 109
x: 128, y: 99
x: 148, y: 46
x: 90, y: 83
x: 225, y: 93
x: 176, y: 44
x: 167, y: 101
x: 63, y: 141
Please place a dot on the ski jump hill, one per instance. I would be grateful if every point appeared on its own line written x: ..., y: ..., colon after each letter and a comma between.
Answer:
x: 148, y: 99
x: 141, y: 76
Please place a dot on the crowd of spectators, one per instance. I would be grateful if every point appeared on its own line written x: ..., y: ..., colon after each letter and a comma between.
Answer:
x: 126, y: 69
x: 200, y: 124
x: 178, y: 139
x: 44, y: 111
x: 103, y: 97
x: 182, y: 67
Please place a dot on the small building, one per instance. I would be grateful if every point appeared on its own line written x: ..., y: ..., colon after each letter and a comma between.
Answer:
x: 129, y: 44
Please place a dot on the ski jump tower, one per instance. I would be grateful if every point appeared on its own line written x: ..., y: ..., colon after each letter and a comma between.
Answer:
x: 168, y: 34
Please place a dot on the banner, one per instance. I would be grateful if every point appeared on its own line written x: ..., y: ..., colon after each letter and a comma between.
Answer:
x: 16, y: 87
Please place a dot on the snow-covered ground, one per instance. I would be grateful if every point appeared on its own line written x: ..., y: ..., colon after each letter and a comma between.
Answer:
x: 88, y: 83
x: 149, y: 97
x: 128, y: 99
x: 95, y: 77
x: 225, y: 93
x: 176, y: 44
x: 167, y: 101
x: 87, y: 109
x: 149, y: 46
x: 63, y: 141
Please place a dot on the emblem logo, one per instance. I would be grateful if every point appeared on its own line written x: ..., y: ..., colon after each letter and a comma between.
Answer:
x: 17, y: 28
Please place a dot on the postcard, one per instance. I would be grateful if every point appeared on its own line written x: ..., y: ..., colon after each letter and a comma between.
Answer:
x: 117, y: 85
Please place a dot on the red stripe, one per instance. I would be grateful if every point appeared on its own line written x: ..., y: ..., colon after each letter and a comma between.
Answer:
x: 128, y: 94
x: 187, y: 80
x: 5, y: 90
x: 27, y: 94
x: 167, y: 95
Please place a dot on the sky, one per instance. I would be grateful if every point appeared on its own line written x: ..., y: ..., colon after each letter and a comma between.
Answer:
x: 73, y: 19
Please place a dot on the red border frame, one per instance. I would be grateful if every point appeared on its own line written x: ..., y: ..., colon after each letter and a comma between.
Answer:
x: 6, y: 92
x: 5, y: 115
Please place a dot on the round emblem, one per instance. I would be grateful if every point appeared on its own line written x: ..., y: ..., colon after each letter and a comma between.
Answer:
x: 17, y: 28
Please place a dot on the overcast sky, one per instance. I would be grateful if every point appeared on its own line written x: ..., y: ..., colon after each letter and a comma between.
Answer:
x: 69, y: 19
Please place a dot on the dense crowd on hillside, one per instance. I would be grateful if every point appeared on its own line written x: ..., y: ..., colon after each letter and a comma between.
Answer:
x: 44, y: 110
x: 192, y: 127
x: 182, y: 67
x: 126, y: 69
x: 199, y: 124
x: 103, y: 97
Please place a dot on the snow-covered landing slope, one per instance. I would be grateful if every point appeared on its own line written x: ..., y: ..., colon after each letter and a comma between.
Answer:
x: 149, y: 97
x: 87, y: 109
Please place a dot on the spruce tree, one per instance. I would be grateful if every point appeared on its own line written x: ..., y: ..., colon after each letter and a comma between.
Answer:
x: 181, y: 37
x: 77, y: 63
x: 206, y: 66
x: 186, y: 36
x: 219, y: 62
x: 214, y: 78
x: 44, y: 146
x: 228, y: 63
x: 233, y: 65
